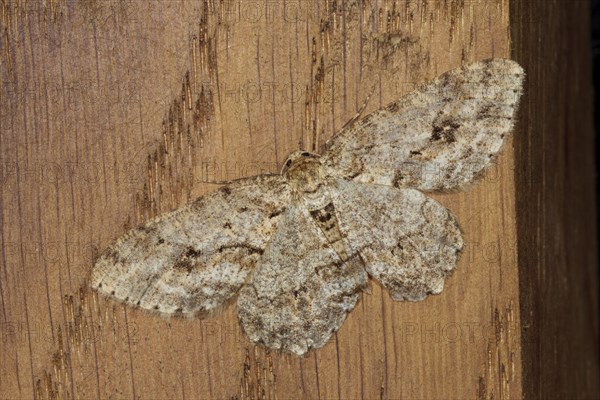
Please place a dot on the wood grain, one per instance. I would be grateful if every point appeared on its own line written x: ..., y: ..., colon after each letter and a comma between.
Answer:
x: 114, y: 111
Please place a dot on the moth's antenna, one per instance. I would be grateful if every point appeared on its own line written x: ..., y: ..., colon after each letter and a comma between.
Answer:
x: 232, y: 181
x: 357, y: 116
x: 360, y: 111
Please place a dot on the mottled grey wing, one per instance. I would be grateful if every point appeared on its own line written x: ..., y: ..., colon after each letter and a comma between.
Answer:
x: 408, y: 241
x: 192, y: 260
x: 439, y: 137
x: 300, y: 292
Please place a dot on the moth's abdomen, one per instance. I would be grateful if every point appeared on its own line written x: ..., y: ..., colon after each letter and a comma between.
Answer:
x: 327, y: 221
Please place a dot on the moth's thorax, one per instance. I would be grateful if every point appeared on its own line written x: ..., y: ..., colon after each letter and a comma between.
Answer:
x: 302, y: 170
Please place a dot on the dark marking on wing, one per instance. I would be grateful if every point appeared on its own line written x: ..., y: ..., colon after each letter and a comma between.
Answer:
x: 187, y: 260
x: 190, y: 258
x: 392, y: 107
x: 484, y: 112
x: 444, y: 129
x: 398, y: 178
x: 366, y: 119
x: 226, y: 190
x: 249, y: 249
x: 468, y: 152
x: 198, y: 204
x: 147, y: 229
x: 275, y: 213
x: 112, y: 255
x: 327, y: 270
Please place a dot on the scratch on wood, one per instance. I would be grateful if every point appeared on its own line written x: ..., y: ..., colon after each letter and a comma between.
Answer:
x: 498, y: 377
x: 173, y: 161
x: 387, y: 43
x: 258, y: 378
x: 81, y: 334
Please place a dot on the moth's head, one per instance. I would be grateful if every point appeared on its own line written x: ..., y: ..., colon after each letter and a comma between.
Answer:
x: 301, y: 169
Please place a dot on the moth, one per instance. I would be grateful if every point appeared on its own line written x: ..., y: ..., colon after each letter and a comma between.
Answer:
x: 296, y: 249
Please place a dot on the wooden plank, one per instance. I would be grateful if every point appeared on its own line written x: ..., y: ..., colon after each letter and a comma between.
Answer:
x: 556, y: 212
x: 112, y: 112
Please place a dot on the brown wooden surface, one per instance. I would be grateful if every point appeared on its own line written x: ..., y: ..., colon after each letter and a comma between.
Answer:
x: 556, y: 213
x: 114, y: 111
